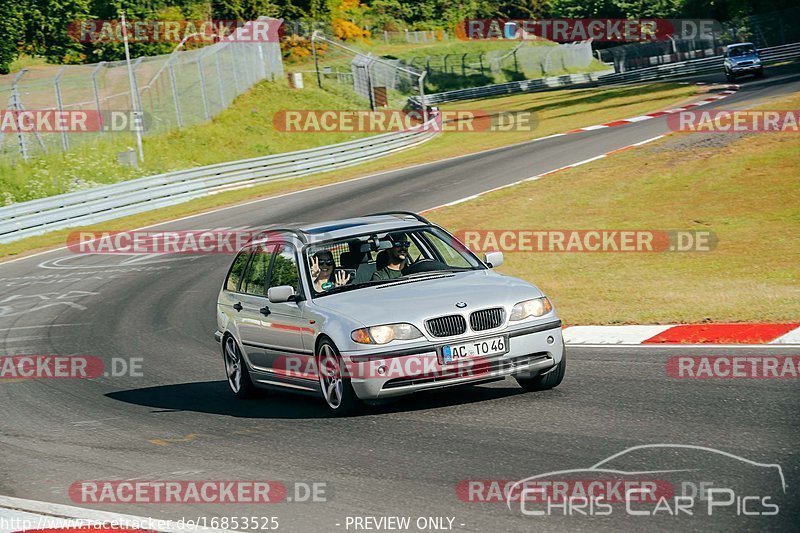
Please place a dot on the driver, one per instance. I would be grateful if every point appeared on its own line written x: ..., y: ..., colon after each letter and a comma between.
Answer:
x: 396, y: 256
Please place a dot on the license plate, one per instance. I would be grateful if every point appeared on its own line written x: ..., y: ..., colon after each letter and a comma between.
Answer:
x: 453, y: 353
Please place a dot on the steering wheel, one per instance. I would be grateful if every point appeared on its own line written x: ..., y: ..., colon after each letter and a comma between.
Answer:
x: 423, y: 264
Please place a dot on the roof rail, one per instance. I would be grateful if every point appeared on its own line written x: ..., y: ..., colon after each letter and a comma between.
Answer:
x: 300, y: 234
x: 408, y: 213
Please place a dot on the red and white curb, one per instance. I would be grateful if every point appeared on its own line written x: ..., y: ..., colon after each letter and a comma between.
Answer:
x: 744, y: 334
x: 731, y: 89
x: 17, y: 515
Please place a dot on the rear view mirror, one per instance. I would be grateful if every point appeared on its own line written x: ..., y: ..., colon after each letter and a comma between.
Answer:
x: 493, y: 259
x: 280, y: 294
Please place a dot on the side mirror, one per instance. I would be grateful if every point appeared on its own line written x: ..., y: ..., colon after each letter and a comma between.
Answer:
x: 493, y: 259
x: 280, y: 294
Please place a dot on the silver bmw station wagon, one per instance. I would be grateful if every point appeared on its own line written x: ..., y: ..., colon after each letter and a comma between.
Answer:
x: 379, y: 306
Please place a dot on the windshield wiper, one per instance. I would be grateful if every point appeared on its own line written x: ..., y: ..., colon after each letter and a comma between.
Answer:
x: 345, y: 288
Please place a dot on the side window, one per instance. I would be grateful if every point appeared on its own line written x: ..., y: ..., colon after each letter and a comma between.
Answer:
x: 237, y: 269
x: 284, y: 269
x: 255, y: 277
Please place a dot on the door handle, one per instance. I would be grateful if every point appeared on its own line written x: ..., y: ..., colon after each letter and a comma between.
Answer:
x: 265, y: 311
x: 238, y: 306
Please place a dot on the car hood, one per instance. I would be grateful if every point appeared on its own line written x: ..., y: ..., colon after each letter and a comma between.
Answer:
x: 414, y: 301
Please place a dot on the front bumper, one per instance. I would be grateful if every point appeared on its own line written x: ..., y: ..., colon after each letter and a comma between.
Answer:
x: 530, y: 350
x: 749, y: 69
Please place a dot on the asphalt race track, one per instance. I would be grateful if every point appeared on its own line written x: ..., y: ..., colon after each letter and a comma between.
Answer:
x: 179, y: 422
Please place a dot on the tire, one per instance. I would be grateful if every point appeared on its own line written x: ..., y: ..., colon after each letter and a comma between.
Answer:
x: 238, y: 377
x: 730, y: 77
x: 337, y: 392
x: 760, y: 73
x: 545, y: 381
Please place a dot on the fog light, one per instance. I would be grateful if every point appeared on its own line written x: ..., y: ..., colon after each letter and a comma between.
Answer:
x: 550, y: 340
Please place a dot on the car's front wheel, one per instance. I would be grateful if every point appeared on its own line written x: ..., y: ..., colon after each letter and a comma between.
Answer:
x: 547, y: 380
x: 336, y: 388
x: 236, y: 370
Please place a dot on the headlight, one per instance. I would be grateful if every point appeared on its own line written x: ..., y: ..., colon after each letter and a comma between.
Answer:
x: 528, y: 308
x: 756, y: 61
x: 385, y: 333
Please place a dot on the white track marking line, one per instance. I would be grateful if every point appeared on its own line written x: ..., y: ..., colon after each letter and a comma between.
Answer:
x: 268, y: 198
x: 539, y: 176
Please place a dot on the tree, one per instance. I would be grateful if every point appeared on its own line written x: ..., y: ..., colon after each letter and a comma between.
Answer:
x: 11, y: 33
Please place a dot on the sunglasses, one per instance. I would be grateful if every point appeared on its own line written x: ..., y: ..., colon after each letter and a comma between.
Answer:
x: 326, y: 262
x: 402, y: 244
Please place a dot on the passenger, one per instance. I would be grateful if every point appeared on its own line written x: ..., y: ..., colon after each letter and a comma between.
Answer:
x: 395, y: 257
x: 324, y: 274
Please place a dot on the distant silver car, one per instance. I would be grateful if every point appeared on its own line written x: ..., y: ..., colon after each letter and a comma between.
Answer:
x: 379, y: 306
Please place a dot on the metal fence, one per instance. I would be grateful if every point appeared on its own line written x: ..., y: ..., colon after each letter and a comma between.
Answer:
x: 173, y: 91
x: 764, y: 30
x: 95, y: 205
x: 415, y: 36
x: 370, y: 75
x: 526, y: 59
x: 769, y: 56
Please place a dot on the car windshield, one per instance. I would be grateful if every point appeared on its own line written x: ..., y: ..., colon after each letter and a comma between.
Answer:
x: 739, y: 51
x: 378, y: 258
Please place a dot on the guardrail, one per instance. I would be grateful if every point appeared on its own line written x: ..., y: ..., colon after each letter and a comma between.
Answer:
x: 152, y: 192
x: 524, y: 86
x: 770, y: 55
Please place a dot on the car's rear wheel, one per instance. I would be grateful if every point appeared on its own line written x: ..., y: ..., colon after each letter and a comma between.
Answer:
x: 547, y: 380
x: 236, y: 370
x: 336, y: 388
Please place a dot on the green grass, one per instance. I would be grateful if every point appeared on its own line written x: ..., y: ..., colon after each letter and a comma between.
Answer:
x: 243, y: 130
x: 558, y: 111
x: 745, y: 191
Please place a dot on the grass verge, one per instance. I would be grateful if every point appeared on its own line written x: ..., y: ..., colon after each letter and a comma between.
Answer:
x: 558, y: 111
x: 744, y: 189
x: 243, y: 130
